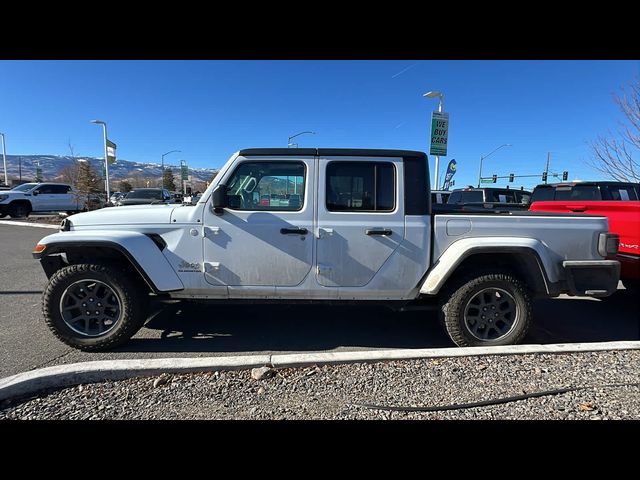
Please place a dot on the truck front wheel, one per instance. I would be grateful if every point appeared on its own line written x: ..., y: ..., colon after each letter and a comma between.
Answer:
x: 486, y: 310
x: 19, y: 209
x: 93, y: 307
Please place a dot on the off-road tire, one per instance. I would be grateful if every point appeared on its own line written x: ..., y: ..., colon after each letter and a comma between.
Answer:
x: 19, y: 210
x: 457, y: 298
x: 133, y: 300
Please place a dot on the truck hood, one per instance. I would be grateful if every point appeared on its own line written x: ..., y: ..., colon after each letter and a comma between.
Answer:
x: 12, y: 195
x: 133, y: 215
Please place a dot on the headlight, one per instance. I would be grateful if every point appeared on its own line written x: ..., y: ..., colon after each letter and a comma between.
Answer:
x: 3, y: 197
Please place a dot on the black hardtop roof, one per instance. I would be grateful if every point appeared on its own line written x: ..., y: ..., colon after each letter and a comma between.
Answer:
x: 331, y: 152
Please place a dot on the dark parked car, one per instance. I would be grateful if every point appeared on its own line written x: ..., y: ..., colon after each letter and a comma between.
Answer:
x: 440, y: 196
x: 145, y: 196
x: 472, y: 199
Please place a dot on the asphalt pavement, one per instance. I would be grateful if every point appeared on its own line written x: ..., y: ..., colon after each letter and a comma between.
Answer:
x: 197, y: 331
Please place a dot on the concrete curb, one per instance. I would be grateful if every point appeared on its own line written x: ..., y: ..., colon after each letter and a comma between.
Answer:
x: 59, y: 376
x: 29, y: 224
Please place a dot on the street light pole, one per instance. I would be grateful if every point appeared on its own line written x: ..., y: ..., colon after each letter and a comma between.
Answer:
x: 293, y: 136
x: 440, y: 95
x: 106, y: 158
x: 482, y: 157
x: 4, y: 160
x: 163, y: 155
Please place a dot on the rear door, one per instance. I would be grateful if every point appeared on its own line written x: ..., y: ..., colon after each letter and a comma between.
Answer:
x: 360, y: 218
x: 63, y: 199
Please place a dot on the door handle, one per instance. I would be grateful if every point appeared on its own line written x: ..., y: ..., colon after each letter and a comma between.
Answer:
x: 378, y: 232
x: 578, y: 208
x: 294, y: 231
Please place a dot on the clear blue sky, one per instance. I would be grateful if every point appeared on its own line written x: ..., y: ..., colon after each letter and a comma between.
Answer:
x: 209, y: 109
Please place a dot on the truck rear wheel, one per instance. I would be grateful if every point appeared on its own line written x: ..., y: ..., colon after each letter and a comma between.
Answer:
x: 487, y: 309
x: 93, y: 307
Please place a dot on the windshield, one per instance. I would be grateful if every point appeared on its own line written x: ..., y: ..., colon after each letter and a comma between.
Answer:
x: 155, y: 194
x: 25, y: 187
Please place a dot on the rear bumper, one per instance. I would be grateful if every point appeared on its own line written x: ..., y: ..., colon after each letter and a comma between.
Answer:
x: 592, y: 278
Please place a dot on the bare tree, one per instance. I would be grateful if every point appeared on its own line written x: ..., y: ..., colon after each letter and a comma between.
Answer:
x: 69, y: 174
x: 617, y: 156
x: 136, y: 180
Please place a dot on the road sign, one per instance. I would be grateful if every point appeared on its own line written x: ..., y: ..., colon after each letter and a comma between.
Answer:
x: 184, y: 170
x: 439, y: 133
x: 111, y: 152
x: 486, y: 180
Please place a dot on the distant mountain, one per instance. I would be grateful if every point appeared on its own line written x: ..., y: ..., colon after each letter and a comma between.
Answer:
x: 52, y: 166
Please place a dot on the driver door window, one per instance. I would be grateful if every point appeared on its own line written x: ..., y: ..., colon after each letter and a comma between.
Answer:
x: 267, y: 186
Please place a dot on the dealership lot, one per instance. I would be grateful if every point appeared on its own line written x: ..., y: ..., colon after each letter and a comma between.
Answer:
x: 26, y: 343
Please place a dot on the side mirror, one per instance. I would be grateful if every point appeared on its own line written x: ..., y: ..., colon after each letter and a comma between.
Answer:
x: 34, y: 193
x: 219, y: 196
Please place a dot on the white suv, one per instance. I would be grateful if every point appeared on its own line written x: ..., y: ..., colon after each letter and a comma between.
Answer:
x: 40, y: 197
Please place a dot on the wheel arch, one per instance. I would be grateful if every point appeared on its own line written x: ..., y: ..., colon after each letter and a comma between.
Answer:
x: 152, y: 268
x: 20, y: 201
x: 523, y: 260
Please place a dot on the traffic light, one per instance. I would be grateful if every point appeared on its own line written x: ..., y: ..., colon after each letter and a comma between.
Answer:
x: 544, y: 177
x: 495, y: 178
x: 511, y: 177
x: 565, y: 175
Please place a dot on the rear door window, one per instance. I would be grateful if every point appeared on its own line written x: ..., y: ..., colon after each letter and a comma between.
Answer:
x: 619, y: 193
x: 360, y: 186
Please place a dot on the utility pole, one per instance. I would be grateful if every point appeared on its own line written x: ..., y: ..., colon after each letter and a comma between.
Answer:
x: 106, y: 155
x: 4, y: 160
x: 20, y: 168
x: 546, y: 169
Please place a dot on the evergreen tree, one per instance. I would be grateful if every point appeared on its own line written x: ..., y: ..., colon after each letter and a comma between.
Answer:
x: 89, y: 183
x: 167, y: 180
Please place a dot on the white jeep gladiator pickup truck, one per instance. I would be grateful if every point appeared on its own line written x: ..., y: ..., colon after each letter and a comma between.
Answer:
x: 40, y: 197
x: 319, y: 225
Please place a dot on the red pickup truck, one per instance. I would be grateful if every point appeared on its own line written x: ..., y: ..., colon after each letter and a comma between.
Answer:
x: 618, y: 201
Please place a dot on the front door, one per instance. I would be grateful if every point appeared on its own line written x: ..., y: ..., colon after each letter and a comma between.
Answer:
x: 265, y: 236
x: 360, y: 218
x: 45, y: 199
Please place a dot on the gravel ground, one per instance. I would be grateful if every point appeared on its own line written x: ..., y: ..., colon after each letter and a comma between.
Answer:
x: 333, y: 392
